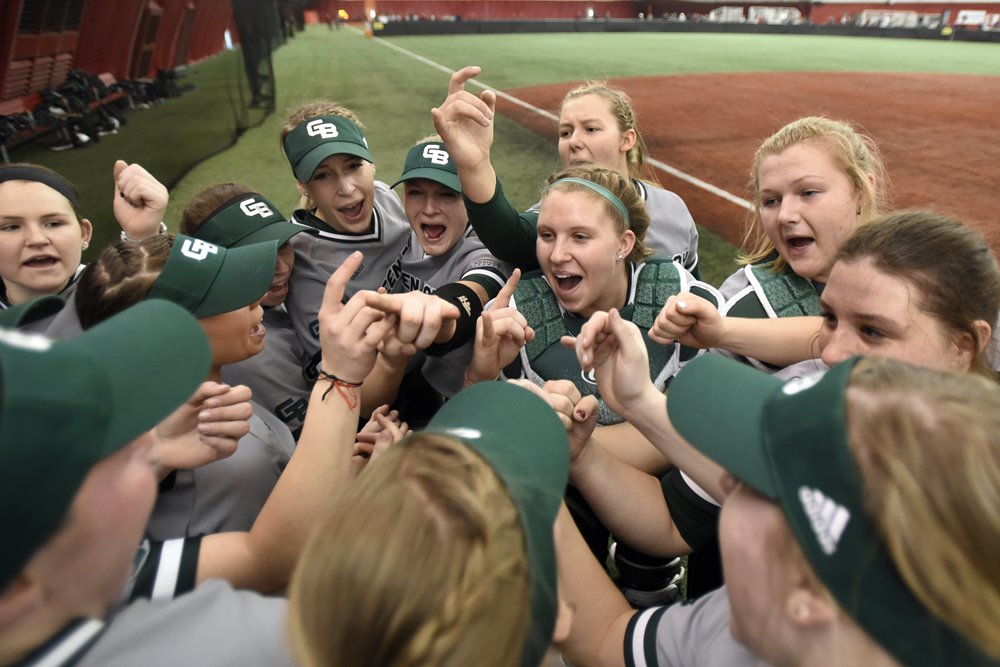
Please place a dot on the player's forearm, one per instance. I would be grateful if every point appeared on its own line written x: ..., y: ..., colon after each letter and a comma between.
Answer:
x: 628, y: 501
x: 600, y: 614
x: 508, y: 235
x: 649, y: 416
x: 781, y: 341
x: 382, y: 385
x: 316, y: 471
x: 479, y: 182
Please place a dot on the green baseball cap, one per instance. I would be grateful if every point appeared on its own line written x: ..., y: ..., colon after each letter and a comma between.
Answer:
x: 525, y: 443
x: 210, y: 280
x: 246, y: 219
x: 64, y: 406
x: 788, y: 440
x: 315, y: 139
x: 431, y: 161
x: 31, y: 311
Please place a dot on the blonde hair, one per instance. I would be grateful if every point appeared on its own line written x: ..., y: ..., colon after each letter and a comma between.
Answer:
x: 422, y: 562
x: 854, y: 153
x: 621, y: 108
x: 311, y: 110
x: 927, y: 445
x: 619, y: 186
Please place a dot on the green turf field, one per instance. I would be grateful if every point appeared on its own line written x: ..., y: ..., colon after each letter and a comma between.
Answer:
x: 393, y: 94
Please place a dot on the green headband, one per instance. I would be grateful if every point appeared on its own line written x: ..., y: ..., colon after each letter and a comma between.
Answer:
x: 530, y: 453
x: 789, y: 442
x: 599, y: 189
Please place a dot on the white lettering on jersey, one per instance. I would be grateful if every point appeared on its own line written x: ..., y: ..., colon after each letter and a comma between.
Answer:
x: 198, y: 249
x: 436, y: 154
x: 252, y: 208
x: 320, y: 128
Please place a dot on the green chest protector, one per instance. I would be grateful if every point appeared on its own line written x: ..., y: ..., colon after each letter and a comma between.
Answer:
x: 544, y: 358
x: 782, y: 294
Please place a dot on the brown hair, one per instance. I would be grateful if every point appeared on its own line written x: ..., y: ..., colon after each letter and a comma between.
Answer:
x: 120, y: 277
x: 206, y: 202
x: 621, y: 109
x: 619, y: 186
x: 422, y: 562
x: 855, y: 153
x: 952, y: 267
x: 928, y: 447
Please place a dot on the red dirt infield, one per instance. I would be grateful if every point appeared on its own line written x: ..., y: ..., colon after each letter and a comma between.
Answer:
x: 938, y: 133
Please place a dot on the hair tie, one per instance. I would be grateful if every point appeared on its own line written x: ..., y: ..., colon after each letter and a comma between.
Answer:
x: 599, y: 189
x: 28, y: 173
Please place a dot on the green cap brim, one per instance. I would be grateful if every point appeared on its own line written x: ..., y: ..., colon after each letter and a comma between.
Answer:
x: 31, y: 311
x: 445, y: 178
x: 307, y: 166
x: 245, y: 276
x: 67, y: 405
x: 520, y: 436
x: 717, y: 404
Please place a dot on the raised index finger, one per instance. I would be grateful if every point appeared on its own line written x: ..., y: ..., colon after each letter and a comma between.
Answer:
x: 333, y: 295
x: 458, y: 79
x: 502, y: 299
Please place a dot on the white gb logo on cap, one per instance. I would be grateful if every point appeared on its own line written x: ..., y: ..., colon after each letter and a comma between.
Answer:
x: 198, y: 249
x: 319, y: 128
x: 252, y: 208
x: 436, y: 154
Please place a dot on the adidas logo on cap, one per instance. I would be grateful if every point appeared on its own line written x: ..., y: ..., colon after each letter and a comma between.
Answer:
x: 827, y: 518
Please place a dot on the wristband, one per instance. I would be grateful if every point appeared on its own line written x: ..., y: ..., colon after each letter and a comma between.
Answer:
x: 469, y: 309
x: 162, y: 230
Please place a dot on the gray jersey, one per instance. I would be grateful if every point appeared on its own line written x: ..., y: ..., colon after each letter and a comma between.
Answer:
x: 213, y: 625
x: 692, y: 634
x: 225, y: 495
x: 275, y: 374
x: 672, y: 233
x: 321, y: 251
x: 467, y: 261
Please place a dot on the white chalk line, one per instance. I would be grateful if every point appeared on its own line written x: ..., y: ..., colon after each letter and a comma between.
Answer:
x: 673, y: 171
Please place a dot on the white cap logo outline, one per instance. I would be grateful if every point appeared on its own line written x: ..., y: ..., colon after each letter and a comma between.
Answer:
x: 436, y: 154
x: 197, y: 249
x: 251, y: 207
x: 323, y: 129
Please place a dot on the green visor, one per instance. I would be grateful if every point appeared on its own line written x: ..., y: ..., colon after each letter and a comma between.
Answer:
x: 64, y: 406
x: 432, y: 162
x: 244, y: 220
x: 210, y: 280
x: 315, y: 139
x: 31, y: 311
x: 525, y: 443
x: 789, y: 442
